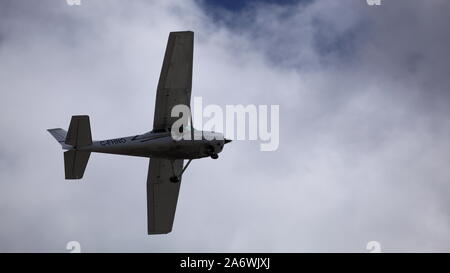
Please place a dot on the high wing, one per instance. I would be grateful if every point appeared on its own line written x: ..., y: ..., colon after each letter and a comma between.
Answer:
x: 162, y: 195
x: 175, y: 81
x: 174, y: 87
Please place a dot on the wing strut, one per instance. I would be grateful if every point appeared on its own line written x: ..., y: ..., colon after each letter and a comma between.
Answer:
x: 177, y: 178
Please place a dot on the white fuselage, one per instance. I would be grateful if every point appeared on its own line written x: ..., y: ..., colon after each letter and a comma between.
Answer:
x: 159, y: 145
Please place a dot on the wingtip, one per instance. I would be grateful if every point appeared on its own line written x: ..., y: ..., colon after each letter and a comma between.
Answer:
x: 158, y: 232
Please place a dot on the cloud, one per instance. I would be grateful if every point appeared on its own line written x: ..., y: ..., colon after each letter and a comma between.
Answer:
x: 363, y: 97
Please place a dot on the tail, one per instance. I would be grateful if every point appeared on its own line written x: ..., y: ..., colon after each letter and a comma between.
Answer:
x: 60, y: 136
x: 75, y: 163
x: 78, y: 136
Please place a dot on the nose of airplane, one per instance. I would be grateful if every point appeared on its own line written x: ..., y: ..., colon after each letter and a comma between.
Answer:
x: 227, y: 141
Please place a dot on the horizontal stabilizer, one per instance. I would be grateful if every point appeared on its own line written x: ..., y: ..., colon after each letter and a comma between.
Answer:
x: 75, y: 163
x: 79, y: 132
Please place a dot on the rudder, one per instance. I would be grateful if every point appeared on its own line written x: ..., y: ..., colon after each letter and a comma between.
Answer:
x: 60, y: 136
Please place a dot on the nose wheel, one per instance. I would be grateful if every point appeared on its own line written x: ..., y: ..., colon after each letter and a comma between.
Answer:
x: 214, y: 156
x: 174, y: 179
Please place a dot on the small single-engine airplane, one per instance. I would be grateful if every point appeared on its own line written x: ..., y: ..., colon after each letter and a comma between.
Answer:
x: 166, y: 153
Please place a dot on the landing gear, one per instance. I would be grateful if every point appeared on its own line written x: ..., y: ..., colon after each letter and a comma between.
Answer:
x: 174, y: 179
x: 214, y: 156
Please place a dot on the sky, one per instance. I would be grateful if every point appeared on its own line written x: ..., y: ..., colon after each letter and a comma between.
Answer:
x: 364, y: 145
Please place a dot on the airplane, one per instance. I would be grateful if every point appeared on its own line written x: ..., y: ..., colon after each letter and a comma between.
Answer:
x: 166, y: 154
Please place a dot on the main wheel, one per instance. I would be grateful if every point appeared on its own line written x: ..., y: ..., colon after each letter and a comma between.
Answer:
x: 214, y: 156
x: 174, y: 179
